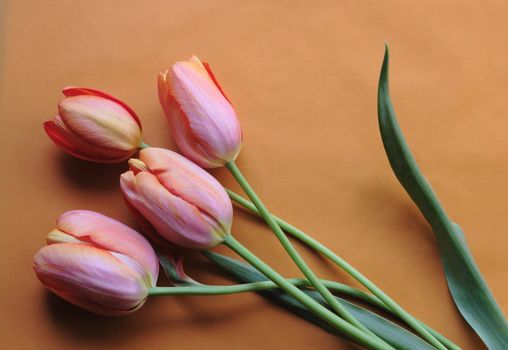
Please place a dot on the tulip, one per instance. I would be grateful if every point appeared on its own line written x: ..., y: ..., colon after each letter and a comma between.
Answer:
x: 202, y: 120
x: 182, y: 202
x: 95, y: 126
x: 97, y: 263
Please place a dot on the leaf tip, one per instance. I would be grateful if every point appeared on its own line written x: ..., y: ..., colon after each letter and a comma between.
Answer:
x: 383, y: 77
x: 386, y: 59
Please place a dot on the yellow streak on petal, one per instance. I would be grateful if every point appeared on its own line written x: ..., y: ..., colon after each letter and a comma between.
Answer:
x: 194, y: 59
x: 57, y: 236
x: 137, y: 165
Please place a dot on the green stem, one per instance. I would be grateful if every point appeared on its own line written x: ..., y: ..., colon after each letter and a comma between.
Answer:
x: 293, y: 253
x: 423, y: 330
x: 319, y: 310
x: 143, y: 144
x: 264, y: 285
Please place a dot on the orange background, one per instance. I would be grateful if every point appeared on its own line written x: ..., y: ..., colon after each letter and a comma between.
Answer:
x: 303, y: 77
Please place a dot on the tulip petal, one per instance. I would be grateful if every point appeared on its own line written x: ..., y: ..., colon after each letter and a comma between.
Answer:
x: 216, y: 82
x: 57, y: 236
x: 76, y: 91
x: 100, y: 122
x: 90, y: 277
x: 146, y: 227
x: 175, y: 219
x: 107, y: 233
x: 188, y: 181
x: 163, y: 90
x: 180, y: 128
x: 78, y: 148
x: 211, y: 118
x: 89, y: 304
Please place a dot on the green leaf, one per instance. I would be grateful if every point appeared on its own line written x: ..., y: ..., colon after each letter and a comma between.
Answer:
x: 467, y: 286
x: 173, y: 268
x: 389, y: 331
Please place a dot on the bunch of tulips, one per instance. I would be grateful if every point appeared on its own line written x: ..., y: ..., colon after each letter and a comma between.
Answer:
x: 106, y: 267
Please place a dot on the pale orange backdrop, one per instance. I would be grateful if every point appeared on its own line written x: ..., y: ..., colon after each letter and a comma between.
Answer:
x: 303, y: 77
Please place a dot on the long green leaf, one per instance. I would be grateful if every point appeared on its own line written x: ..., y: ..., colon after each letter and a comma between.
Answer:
x: 467, y: 286
x: 389, y: 331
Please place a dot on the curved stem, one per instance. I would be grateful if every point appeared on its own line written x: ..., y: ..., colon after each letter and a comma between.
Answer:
x: 212, y: 290
x: 319, y: 310
x: 423, y: 330
x: 264, y: 285
x: 293, y: 253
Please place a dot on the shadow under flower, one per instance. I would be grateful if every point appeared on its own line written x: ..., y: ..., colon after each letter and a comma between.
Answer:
x: 82, y: 326
x: 91, y: 176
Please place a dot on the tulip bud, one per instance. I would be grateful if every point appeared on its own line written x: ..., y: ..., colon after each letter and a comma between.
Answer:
x: 183, y: 203
x: 95, y: 126
x: 97, y: 263
x: 202, y: 120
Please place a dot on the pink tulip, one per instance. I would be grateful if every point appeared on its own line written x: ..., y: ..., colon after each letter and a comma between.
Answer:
x: 97, y: 263
x: 95, y: 126
x: 202, y: 120
x: 182, y: 202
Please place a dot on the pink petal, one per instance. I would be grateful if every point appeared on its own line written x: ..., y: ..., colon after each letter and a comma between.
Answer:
x: 163, y: 90
x: 76, y: 91
x: 180, y: 128
x: 216, y: 82
x: 210, y: 117
x: 78, y: 148
x: 188, y: 181
x: 146, y: 227
x: 175, y: 219
x: 100, y: 121
x: 91, y: 277
x: 112, y: 235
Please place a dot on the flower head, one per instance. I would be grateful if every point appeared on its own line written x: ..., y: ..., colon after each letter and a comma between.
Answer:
x: 95, y: 126
x: 97, y: 263
x: 202, y: 120
x: 182, y: 202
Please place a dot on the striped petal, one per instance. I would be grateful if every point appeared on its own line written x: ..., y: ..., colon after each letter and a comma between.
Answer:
x: 180, y: 129
x: 92, y: 278
x: 203, y: 121
x: 107, y: 233
x: 78, y: 148
x: 100, y: 121
x: 76, y: 91
x: 174, y: 218
x: 211, y: 117
x: 190, y: 182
